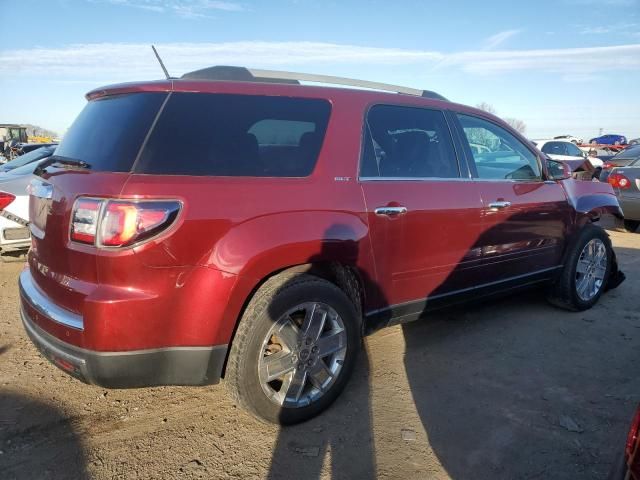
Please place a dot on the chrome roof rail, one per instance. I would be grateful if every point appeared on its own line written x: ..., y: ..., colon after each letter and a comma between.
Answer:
x: 226, y: 73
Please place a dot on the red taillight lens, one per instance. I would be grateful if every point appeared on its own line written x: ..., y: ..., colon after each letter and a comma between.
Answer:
x: 121, y: 223
x: 632, y: 438
x: 6, y: 199
x: 84, y: 221
x: 617, y: 180
x: 125, y: 223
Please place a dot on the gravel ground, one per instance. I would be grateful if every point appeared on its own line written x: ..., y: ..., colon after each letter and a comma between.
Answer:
x: 509, y: 389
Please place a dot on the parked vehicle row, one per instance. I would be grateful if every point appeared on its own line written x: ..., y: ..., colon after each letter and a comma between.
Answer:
x: 15, y: 177
x: 583, y: 166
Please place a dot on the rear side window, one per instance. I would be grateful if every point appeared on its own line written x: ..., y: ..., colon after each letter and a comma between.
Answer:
x: 236, y: 135
x: 407, y: 142
x: 109, y: 131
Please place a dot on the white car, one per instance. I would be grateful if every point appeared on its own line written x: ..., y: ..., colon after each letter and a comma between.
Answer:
x: 570, y: 138
x: 14, y: 215
x: 564, y: 150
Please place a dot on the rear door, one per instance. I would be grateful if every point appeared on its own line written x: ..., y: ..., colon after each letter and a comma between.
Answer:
x: 525, y: 218
x: 424, y: 218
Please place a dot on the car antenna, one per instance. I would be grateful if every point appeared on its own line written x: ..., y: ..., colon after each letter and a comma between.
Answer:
x: 164, y: 69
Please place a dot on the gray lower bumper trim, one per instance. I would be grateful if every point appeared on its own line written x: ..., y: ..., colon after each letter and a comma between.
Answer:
x: 132, y: 369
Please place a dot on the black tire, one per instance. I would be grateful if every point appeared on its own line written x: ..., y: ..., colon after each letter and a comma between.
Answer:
x: 631, y: 225
x: 277, y: 296
x: 563, y: 292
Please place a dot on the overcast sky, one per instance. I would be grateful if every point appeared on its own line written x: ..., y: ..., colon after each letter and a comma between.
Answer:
x: 563, y: 66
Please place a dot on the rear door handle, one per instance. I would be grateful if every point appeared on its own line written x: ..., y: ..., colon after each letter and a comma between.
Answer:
x: 499, y: 205
x: 390, y: 211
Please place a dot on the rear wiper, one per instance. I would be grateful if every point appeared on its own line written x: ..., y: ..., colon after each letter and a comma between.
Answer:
x: 64, y: 162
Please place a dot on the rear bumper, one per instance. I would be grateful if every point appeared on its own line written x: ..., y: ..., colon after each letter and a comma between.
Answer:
x: 126, y: 369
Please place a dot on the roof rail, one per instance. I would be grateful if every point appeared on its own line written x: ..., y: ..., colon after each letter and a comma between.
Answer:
x: 242, y: 74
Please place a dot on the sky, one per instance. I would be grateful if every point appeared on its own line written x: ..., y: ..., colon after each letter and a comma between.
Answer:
x: 561, y: 66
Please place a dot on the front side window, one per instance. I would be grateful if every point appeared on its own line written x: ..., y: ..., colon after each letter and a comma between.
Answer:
x: 497, y: 154
x: 236, y: 135
x: 573, y: 150
x: 407, y: 142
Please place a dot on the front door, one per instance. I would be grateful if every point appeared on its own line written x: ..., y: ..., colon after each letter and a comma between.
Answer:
x: 424, y: 219
x: 524, y: 217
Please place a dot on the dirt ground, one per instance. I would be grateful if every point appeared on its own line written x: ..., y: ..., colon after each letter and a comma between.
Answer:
x: 512, y: 389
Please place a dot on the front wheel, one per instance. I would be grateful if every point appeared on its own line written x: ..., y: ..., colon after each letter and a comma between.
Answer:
x: 585, y: 273
x: 294, y: 349
x: 631, y: 225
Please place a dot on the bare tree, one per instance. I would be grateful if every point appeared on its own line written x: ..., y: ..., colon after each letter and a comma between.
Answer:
x: 517, y: 124
x: 487, y: 107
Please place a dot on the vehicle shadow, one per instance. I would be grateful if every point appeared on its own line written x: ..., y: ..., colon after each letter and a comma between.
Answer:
x: 303, y: 450
x: 37, y: 441
x: 517, y: 388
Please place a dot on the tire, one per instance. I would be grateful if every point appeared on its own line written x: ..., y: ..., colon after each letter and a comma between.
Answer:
x: 281, y: 302
x: 566, y: 291
x: 631, y: 225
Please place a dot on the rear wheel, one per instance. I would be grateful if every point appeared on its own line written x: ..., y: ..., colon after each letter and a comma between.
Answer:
x: 585, y: 273
x: 294, y: 350
x: 631, y: 225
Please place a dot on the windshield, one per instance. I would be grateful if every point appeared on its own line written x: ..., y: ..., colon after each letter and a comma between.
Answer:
x: 27, y: 169
x: 30, y: 157
x: 109, y: 131
x: 628, y: 153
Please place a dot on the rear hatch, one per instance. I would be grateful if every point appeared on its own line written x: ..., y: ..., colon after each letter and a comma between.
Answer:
x: 94, y: 158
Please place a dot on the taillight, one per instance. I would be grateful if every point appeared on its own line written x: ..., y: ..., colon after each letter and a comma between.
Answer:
x: 618, y: 180
x: 632, y: 438
x: 120, y: 223
x: 6, y: 199
x: 84, y: 220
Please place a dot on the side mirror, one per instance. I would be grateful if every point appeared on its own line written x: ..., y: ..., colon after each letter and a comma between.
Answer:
x: 558, y: 170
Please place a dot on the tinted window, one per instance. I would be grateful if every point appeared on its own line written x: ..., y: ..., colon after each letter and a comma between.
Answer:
x: 497, y: 153
x: 407, y: 142
x: 236, y: 135
x: 109, y: 131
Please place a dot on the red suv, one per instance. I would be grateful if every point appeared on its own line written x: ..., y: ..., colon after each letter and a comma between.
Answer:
x: 231, y: 224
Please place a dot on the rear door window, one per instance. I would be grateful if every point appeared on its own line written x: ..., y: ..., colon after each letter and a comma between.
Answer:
x: 407, y: 142
x: 497, y: 154
x: 109, y: 131
x: 236, y: 135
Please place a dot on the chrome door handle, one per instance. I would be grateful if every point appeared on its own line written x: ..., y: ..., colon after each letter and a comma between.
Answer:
x: 499, y: 205
x: 390, y: 211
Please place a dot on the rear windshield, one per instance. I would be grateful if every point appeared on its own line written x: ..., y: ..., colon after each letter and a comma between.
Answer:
x: 236, y: 135
x: 109, y: 131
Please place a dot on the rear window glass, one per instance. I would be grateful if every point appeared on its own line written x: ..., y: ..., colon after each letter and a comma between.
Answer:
x: 236, y: 135
x: 109, y: 131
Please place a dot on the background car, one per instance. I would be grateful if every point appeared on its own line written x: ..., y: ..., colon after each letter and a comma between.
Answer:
x: 626, y: 185
x: 27, y: 158
x: 628, y: 465
x: 609, y: 139
x: 568, y: 152
x: 634, y: 141
x: 570, y: 138
x: 14, y: 204
x: 622, y: 159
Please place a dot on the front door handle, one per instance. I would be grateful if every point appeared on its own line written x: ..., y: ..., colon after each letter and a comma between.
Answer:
x: 495, y: 206
x: 390, y: 211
